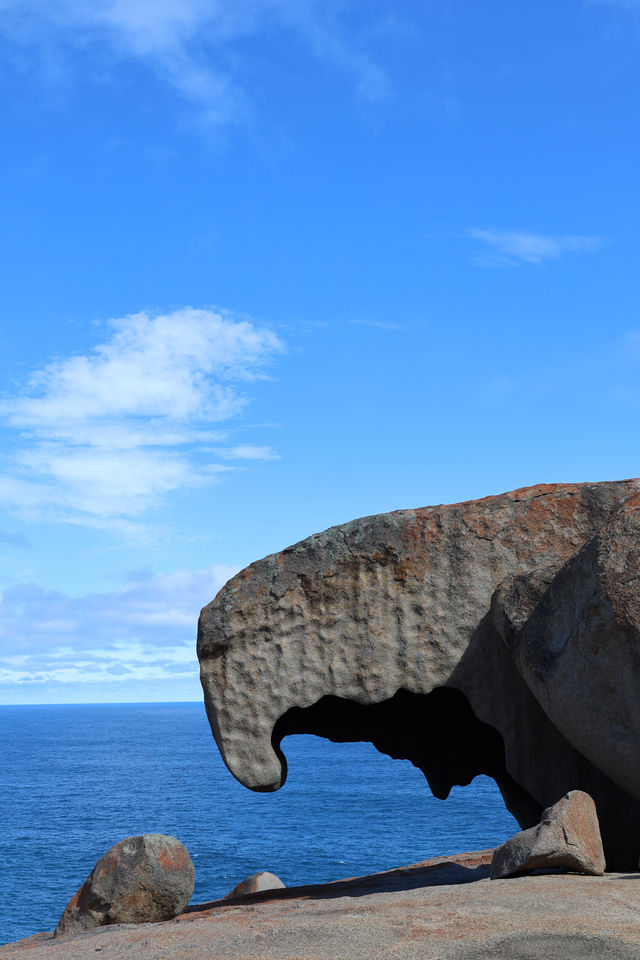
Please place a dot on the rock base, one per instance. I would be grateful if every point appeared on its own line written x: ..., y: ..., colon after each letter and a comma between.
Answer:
x: 442, y: 909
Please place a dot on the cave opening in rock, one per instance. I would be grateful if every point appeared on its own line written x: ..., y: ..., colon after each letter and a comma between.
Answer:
x: 437, y: 732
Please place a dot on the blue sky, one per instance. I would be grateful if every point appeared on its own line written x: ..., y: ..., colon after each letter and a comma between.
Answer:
x: 269, y: 265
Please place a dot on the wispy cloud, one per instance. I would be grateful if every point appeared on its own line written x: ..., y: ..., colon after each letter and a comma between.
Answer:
x: 566, y: 377
x: 14, y: 539
x: 377, y: 324
x: 195, y: 45
x: 501, y: 248
x: 246, y: 451
x: 105, y: 436
x: 144, y: 631
x: 630, y: 4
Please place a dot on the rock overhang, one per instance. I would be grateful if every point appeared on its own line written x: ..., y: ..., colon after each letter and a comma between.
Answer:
x: 399, y: 601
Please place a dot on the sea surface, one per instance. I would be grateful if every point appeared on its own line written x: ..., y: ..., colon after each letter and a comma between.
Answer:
x: 76, y: 779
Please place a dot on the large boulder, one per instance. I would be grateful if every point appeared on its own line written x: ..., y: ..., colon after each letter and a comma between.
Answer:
x: 567, y: 837
x: 139, y: 880
x: 438, y: 635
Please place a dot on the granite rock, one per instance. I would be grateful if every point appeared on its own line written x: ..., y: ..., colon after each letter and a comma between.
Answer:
x: 256, y: 883
x: 411, y: 630
x: 139, y: 880
x: 577, y: 646
x: 567, y: 837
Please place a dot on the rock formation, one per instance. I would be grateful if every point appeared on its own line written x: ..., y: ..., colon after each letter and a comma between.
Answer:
x: 497, y: 636
x: 568, y: 836
x: 139, y: 880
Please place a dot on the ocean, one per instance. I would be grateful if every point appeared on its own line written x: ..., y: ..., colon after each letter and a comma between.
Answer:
x: 76, y: 779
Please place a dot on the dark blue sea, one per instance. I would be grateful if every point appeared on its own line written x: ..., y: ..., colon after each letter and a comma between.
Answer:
x: 76, y: 779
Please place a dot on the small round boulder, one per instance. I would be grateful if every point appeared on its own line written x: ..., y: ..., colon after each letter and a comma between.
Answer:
x: 139, y: 880
x: 256, y: 883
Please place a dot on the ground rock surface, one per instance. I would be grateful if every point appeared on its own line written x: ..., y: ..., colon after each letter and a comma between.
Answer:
x: 442, y: 909
x: 526, y: 605
x: 139, y: 880
x: 568, y: 837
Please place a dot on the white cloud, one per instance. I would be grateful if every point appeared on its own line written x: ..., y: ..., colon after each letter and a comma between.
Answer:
x: 511, y: 247
x: 144, y: 631
x: 107, y: 435
x: 247, y: 451
x: 194, y: 45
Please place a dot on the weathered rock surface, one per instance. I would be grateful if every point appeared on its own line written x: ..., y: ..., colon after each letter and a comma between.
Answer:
x: 578, y: 649
x: 256, y: 883
x: 443, y: 909
x: 568, y: 836
x: 139, y: 880
x: 497, y: 636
